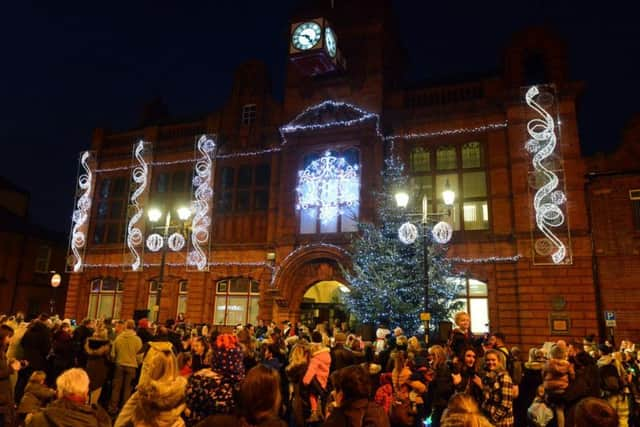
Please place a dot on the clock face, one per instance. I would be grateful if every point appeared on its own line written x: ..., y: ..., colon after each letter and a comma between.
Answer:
x: 330, y: 42
x: 306, y: 35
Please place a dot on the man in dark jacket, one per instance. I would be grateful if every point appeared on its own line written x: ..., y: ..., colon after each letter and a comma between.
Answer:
x: 80, y: 335
x: 341, y: 356
x: 36, y: 344
x: 70, y: 408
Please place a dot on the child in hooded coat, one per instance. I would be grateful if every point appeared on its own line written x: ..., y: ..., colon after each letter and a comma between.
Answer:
x: 319, y: 366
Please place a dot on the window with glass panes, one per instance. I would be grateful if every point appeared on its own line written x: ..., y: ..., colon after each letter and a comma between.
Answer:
x: 249, y: 114
x: 110, y: 207
x: 152, y: 300
x: 236, y: 301
x: 475, y: 301
x: 634, y: 196
x: 243, y: 189
x: 174, y: 184
x: 342, y: 223
x: 42, y: 259
x: 105, y: 298
x: 462, y: 168
x: 182, y: 297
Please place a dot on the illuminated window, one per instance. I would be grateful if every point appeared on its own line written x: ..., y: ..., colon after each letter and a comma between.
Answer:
x: 43, y: 257
x: 475, y: 301
x: 248, y: 114
x: 329, y: 205
x: 105, y: 298
x: 152, y: 300
x: 467, y: 178
x: 182, y: 297
x: 236, y: 301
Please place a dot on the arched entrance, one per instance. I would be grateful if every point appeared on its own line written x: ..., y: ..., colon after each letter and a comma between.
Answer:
x: 324, y: 302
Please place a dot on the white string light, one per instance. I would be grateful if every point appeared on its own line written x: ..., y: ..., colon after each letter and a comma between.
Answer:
x: 203, y: 194
x: 315, y: 110
x: 140, y: 176
x: 330, y: 184
x: 80, y: 216
x: 190, y: 160
x: 488, y: 260
x: 304, y: 248
x: 176, y: 242
x: 180, y: 264
x: 446, y: 132
x: 408, y: 233
x: 547, y: 200
x: 155, y: 242
x: 442, y: 232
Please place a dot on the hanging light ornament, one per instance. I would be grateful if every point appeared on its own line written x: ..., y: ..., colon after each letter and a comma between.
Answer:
x: 176, y: 242
x: 154, y: 242
x: 408, y: 233
x: 442, y: 232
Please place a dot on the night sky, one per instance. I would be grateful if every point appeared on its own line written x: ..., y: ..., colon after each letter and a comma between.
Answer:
x: 71, y: 66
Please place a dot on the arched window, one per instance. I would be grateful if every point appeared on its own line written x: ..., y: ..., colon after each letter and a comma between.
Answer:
x: 105, y: 298
x: 236, y: 301
x: 329, y: 192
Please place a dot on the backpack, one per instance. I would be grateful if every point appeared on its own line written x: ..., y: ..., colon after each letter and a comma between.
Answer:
x: 514, y: 365
x: 609, y: 379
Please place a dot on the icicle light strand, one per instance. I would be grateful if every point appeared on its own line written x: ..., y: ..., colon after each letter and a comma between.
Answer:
x: 180, y: 264
x: 547, y: 200
x: 445, y: 132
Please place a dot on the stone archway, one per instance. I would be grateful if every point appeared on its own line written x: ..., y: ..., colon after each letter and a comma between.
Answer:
x: 301, y: 270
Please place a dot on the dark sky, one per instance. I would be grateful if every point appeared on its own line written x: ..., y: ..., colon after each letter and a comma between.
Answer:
x: 70, y: 66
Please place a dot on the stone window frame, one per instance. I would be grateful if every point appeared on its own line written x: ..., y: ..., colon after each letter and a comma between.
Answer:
x: 223, y: 289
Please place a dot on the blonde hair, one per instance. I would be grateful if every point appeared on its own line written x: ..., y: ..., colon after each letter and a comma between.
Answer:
x: 413, y: 345
x: 459, y: 315
x: 463, y: 411
x: 38, y: 377
x: 463, y: 403
x: 73, y: 382
x: 440, y: 356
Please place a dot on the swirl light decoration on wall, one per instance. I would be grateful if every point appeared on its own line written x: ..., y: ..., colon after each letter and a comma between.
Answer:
x: 200, y: 242
x: 81, y: 213
x: 329, y: 183
x: 548, y: 199
x: 140, y: 178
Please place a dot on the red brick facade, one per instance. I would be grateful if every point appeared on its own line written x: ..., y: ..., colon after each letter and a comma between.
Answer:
x: 523, y: 296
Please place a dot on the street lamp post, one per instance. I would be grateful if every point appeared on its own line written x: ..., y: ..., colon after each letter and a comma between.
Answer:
x: 154, y: 215
x: 402, y: 199
x: 55, y: 282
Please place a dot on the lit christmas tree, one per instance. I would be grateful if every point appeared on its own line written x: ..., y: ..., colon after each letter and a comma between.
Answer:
x: 386, y: 276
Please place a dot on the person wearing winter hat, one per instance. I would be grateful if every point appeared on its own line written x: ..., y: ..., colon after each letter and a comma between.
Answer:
x: 160, y: 403
x: 159, y: 377
x: 211, y: 390
x: 556, y: 373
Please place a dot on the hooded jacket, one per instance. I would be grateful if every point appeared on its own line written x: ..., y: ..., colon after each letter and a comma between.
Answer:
x: 35, y: 397
x: 125, y: 348
x: 97, y: 350
x: 161, y: 402
x: 64, y: 413
x: 319, y: 367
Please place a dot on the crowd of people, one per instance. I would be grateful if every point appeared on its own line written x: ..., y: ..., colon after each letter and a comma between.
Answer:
x: 126, y: 373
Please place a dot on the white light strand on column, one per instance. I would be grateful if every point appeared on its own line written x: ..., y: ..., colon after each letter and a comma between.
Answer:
x: 203, y: 194
x: 80, y: 217
x: 547, y: 199
x: 140, y: 176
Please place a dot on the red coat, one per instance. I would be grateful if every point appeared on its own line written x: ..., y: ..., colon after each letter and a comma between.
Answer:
x: 318, y: 367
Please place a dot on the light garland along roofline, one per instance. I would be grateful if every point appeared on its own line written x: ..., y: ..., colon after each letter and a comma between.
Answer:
x: 489, y: 260
x: 445, y: 132
x: 182, y: 264
x: 365, y: 115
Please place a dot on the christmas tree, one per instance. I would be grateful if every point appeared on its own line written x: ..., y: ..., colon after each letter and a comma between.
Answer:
x: 386, y: 275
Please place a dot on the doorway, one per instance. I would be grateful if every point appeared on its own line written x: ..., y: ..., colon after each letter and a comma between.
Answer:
x: 324, y: 302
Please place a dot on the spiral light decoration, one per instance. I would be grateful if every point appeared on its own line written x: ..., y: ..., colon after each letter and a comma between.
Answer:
x: 548, y: 198
x: 140, y: 176
x: 80, y: 217
x: 203, y: 195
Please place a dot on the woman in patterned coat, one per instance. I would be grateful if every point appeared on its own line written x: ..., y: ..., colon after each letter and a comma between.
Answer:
x: 497, y: 391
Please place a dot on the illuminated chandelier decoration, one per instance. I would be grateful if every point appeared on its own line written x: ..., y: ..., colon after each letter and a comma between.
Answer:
x: 442, y: 232
x: 330, y: 184
x: 80, y: 217
x: 199, y: 244
x: 140, y: 177
x: 408, y: 233
x: 155, y: 242
x: 548, y: 198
